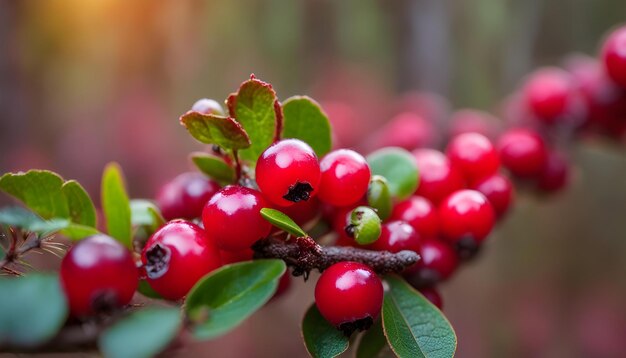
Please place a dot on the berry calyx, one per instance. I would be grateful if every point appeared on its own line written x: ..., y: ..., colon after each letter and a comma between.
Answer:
x: 184, y: 197
x: 420, y: 213
x: 396, y: 236
x: 474, y: 155
x: 438, y: 178
x: 548, y: 94
x: 98, y: 274
x: 522, y: 152
x: 176, y: 256
x: 466, y: 216
x: 288, y: 172
x: 499, y: 191
x: 349, y: 295
x: 345, y: 177
x: 232, y: 218
x: 438, y: 261
x: 614, y: 56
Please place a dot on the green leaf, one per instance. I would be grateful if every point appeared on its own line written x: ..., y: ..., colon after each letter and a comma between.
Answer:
x: 33, y: 309
x: 77, y: 232
x: 214, y: 166
x: 304, y: 119
x: 256, y: 107
x: 282, y: 221
x: 365, y: 225
x: 115, y: 205
x: 146, y: 213
x: 19, y: 217
x: 82, y: 210
x: 143, y: 334
x: 145, y: 289
x: 321, y: 339
x: 372, y: 342
x: 398, y: 167
x: 379, y: 196
x: 214, y: 129
x: 39, y: 190
x: 227, y: 296
x: 414, y: 327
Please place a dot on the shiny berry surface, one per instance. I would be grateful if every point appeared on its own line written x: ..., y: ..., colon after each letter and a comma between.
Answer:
x: 347, y: 292
x: 184, y: 197
x: 466, y: 215
x: 98, y: 274
x: 420, y: 213
x: 438, y: 262
x: 176, y: 256
x: 522, y: 152
x: 614, y: 56
x: 345, y: 177
x: 288, y: 172
x: 432, y: 295
x: 474, y: 155
x: 555, y: 173
x: 548, y: 93
x: 232, y: 218
x: 499, y: 191
x: 437, y: 176
x: 396, y: 236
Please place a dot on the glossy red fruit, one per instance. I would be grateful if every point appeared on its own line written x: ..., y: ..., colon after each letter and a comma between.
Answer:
x: 433, y: 295
x: 614, y: 56
x: 499, y: 191
x: 349, y: 295
x: 176, y: 256
x: 420, y: 213
x: 548, y: 93
x: 438, y: 178
x: 184, y: 197
x: 345, y: 177
x: 231, y: 257
x: 466, y: 216
x: 474, y: 121
x: 555, y: 173
x: 232, y: 218
x: 288, y: 172
x: 396, y: 236
x: 474, y: 155
x: 438, y: 261
x: 98, y: 274
x: 523, y: 152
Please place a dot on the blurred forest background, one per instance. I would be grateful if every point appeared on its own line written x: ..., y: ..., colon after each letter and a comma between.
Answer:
x: 83, y: 83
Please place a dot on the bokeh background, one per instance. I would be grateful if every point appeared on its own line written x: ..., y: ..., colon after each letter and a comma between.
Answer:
x: 83, y: 83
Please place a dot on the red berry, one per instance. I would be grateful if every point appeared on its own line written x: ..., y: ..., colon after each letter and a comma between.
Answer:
x: 345, y: 177
x: 433, y: 295
x: 302, y: 212
x: 438, y: 261
x: 614, y: 56
x: 548, y: 93
x: 233, y: 218
x: 284, y: 283
x: 555, y: 173
x: 396, y: 236
x: 438, y: 178
x: 349, y: 295
x: 474, y: 155
x: 420, y: 213
x: 288, y: 172
x: 466, y: 215
x: 409, y: 131
x: 523, y: 152
x: 176, y: 256
x: 231, y: 257
x: 185, y: 196
x: 474, y: 121
x: 499, y: 191
x: 97, y: 274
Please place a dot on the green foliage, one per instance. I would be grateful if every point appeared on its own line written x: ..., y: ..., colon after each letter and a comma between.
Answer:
x: 365, y: 225
x: 115, y: 205
x: 372, y: 342
x: 143, y: 334
x: 214, y: 129
x: 227, y: 296
x: 82, y: 210
x: 321, y: 339
x: 145, y: 289
x: 33, y: 309
x: 19, y: 217
x: 77, y: 231
x: 305, y: 120
x: 379, y: 196
x: 282, y: 221
x: 214, y: 166
x: 146, y: 214
x: 256, y: 108
x: 414, y: 327
x: 39, y: 190
x: 398, y: 167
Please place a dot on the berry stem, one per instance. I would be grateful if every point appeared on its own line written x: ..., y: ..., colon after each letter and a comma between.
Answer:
x: 237, y: 165
x: 303, y: 254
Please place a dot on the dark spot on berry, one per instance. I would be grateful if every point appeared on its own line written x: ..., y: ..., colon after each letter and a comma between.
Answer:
x: 467, y: 248
x: 105, y: 302
x: 158, y: 260
x: 350, y: 229
x: 299, y: 192
x: 359, y: 325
